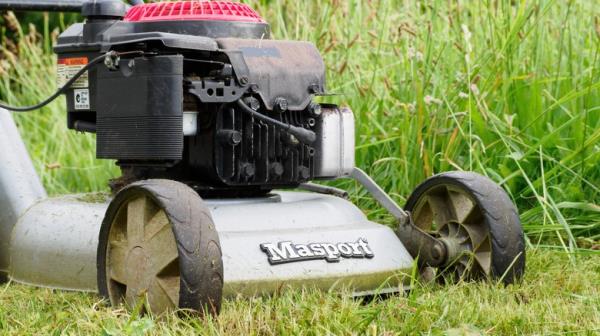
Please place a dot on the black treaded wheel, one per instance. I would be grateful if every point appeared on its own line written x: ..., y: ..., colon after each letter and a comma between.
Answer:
x: 158, y: 240
x: 477, y: 222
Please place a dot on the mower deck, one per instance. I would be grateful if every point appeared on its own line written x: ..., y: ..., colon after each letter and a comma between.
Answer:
x: 306, y: 240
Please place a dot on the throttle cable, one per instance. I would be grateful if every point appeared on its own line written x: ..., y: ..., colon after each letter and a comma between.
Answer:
x: 64, y: 88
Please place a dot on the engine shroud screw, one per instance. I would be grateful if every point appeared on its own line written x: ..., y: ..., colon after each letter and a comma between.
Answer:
x: 253, y: 103
x: 248, y: 170
x: 230, y: 137
x: 253, y: 88
x: 314, y: 89
x: 315, y: 109
x: 304, y: 173
x: 111, y: 61
x: 276, y: 168
x: 281, y: 105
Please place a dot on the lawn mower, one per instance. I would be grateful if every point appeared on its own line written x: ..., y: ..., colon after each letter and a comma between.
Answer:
x: 218, y: 133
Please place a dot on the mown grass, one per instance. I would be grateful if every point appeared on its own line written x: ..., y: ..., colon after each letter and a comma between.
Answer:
x: 510, y: 89
x: 556, y: 297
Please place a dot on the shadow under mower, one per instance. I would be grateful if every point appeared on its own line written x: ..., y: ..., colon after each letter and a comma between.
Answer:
x: 210, y: 120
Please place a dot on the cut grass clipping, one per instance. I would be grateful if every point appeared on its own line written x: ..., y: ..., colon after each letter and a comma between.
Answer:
x: 510, y: 89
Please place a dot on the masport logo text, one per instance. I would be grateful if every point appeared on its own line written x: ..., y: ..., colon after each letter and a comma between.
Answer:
x: 286, y: 252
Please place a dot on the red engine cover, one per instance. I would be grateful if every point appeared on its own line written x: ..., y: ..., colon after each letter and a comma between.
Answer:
x: 193, y: 10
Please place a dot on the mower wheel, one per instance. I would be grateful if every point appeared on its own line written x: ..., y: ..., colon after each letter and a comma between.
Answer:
x: 478, y: 223
x: 159, y: 250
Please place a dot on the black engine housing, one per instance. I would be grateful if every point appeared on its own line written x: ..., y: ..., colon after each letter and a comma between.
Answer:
x: 136, y: 103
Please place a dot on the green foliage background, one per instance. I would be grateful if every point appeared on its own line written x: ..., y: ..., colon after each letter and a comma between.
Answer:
x: 510, y: 89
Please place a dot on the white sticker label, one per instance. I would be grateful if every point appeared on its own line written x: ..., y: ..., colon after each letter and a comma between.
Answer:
x: 82, y: 99
x: 68, y: 67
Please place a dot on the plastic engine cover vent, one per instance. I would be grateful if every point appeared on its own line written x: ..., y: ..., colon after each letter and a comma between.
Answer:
x: 193, y: 11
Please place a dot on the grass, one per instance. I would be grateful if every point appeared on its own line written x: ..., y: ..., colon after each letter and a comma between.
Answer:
x: 557, y: 297
x: 510, y: 89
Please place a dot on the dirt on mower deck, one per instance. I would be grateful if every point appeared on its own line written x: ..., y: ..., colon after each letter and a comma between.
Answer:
x: 98, y: 197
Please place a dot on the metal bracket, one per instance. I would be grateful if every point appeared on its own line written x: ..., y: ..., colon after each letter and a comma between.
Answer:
x: 216, y: 91
x: 430, y: 250
x: 380, y: 195
x: 240, y: 68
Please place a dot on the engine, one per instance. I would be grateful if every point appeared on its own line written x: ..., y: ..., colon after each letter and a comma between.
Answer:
x: 198, y: 92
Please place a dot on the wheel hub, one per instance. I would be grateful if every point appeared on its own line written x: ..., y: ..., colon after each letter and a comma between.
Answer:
x: 150, y: 267
x: 451, y: 215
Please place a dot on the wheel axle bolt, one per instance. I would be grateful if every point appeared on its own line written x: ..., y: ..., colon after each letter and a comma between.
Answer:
x: 437, y: 252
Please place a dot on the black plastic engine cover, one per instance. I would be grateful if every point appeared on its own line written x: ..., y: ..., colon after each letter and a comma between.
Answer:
x: 293, y: 70
x: 140, y: 115
x: 202, y: 67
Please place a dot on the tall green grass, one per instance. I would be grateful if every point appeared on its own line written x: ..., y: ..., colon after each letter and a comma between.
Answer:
x: 510, y: 89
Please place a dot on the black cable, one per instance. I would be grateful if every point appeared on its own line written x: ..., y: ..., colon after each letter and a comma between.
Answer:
x: 69, y: 82
x: 42, y: 5
x: 300, y: 133
x: 60, y: 6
